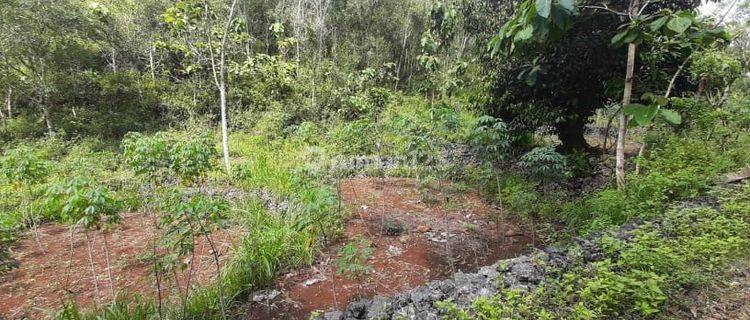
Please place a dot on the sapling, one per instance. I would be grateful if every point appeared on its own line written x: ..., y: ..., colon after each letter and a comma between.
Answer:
x: 188, y: 219
x: 86, y: 204
x: 353, y: 260
x: 148, y: 157
x: 158, y: 158
x: 492, y: 139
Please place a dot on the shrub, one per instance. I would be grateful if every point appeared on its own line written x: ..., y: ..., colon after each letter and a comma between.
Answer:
x: 147, y: 155
x: 520, y: 196
x: 491, y: 138
x: 308, y: 132
x: 319, y: 214
x: 544, y: 163
x: 353, y: 259
x: 353, y: 138
x: 22, y: 165
x: 271, y: 124
x: 20, y: 127
x: 159, y: 156
x: 82, y: 202
x: 607, y: 208
x: 193, y: 158
x: 684, y: 249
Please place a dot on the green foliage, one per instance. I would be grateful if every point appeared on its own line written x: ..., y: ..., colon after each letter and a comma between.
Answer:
x: 645, y: 114
x: 611, y: 293
x: 275, y: 243
x: 717, y: 68
x: 308, y: 132
x: 187, y: 218
x: 146, y: 155
x: 158, y: 156
x: 491, y: 137
x: 271, y: 124
x: 353, y: 259
x: 193, y: 158
x: 122, y: 309
x: 19, y: 128
x: 535, y: 21
x: 319, y: 215
x: 519, y: 195
x: 354, y: 138
x: 544, y: 163
x: 684, y: 249
x: 22, y: 165
x: 82, y: 202
x: 676, y: 169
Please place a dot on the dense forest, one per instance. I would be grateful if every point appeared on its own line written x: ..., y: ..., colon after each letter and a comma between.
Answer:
x: 374, y: 159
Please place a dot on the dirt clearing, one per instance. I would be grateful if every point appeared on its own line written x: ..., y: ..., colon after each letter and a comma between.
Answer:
x: 49, y: 272
x: 417, y: 234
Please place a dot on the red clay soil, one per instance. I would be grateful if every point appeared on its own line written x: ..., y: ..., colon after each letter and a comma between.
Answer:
x: 478, y: 238
x: 47, y: 273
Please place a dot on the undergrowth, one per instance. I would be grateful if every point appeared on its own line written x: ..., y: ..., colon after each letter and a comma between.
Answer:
x: 682, y: 250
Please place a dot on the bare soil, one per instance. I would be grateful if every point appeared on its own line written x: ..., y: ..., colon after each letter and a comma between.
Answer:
x: 53, y: 267
x: 417, y: 233
x: 479, y: 235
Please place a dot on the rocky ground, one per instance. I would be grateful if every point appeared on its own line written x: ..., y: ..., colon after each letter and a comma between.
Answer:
x: 728, y: 299
x: 524, y: 272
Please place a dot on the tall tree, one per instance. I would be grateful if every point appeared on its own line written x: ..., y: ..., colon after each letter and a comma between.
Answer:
x: 40, y: 40
x: 196, y: 26
x: 545, y: 46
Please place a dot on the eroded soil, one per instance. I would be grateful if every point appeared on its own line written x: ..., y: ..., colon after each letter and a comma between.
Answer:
x: 477, y: 234
x: 53, y: 267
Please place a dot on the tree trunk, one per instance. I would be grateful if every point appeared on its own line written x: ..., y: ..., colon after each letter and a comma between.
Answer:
x: 623, y: 121
x: 114, y: 59
x: 571, y: 134
x: 8, y: 100
x: 47, y: 120
x: 224, y: 130
x: 151, y: 61
x: 93, y: 268
x: 109, y: 268
x: 221, y: 83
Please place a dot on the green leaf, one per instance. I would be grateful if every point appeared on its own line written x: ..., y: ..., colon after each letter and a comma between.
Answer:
x: 525, y: 34
x: 658, y: 23
x: 543, y: 7
x: 648, y: 96
x: 671, y: 116
x: 617, y: 39
x: 642, y: 114
x: 632, y: 36
x: 679, y: 24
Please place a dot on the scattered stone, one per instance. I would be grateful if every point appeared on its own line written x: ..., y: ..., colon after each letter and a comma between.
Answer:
x: 312, y: 281
x: 392, y: 228
x: 333, y: 315
x: 525, y: 272
x: 394, y: 251
x: 265, y: 295
x: 737, y: 176
x: 437, y: 237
